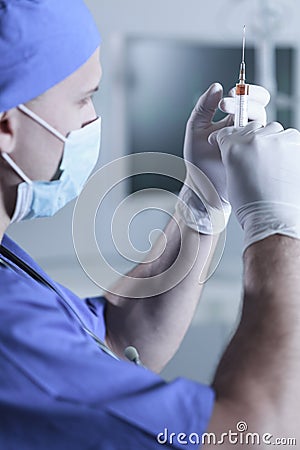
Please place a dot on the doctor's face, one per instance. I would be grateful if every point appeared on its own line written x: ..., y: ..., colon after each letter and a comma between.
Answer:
x: 67, y: 106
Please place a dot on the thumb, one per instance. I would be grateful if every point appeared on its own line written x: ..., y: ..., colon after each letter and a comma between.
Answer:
x: 207, y: 105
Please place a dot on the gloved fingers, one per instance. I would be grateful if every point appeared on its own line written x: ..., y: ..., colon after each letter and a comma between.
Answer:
x: 256, y: 111
x: 256, y: 93
x: 249, y: 128
x: 227, y: 121
x: 218, y: 136
x: 206, y: 106
x: 291, y: 132
x: 214, y: 136
x: 292, y: 137
x: 271, y: 128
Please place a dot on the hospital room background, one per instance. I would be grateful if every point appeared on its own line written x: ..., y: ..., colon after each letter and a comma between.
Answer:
x: 157, y: 58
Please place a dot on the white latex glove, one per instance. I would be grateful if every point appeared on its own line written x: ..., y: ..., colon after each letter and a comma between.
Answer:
x: 263, y: 176
x: 206, y: 156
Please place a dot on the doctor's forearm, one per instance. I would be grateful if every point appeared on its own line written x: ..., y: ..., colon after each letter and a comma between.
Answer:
x: 156, y: 325
x: 258, y: 377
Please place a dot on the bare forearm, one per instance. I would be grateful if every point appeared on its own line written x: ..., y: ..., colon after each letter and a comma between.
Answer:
x: 259, y: 373
x: 156, y: 325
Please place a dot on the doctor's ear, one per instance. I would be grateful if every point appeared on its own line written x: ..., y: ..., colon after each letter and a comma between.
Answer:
x: 8, y: 127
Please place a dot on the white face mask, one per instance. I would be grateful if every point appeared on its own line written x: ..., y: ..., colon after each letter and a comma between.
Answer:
x: 45, y: 198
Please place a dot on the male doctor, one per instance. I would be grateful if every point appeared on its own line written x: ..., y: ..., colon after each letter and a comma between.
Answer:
x: 64, y: 382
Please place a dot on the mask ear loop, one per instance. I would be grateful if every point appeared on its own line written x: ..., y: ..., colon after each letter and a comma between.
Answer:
x: 16, y: 168
x: 42, y: 122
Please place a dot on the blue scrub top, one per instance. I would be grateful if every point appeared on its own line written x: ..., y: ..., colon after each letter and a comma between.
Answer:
x: 59, y: 391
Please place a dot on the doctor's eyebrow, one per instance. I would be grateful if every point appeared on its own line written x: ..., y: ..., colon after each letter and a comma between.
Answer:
x: 84, y: 95
x: 91, y: 91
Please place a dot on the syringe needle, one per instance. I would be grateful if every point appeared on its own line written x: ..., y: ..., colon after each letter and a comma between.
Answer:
x: 244, y: 43
x: 242, y: 77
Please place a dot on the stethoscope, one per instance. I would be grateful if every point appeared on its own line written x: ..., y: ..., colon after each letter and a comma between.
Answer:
x: 13, y: 262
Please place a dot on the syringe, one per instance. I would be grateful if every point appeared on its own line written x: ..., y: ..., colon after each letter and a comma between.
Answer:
x: 242, y: 92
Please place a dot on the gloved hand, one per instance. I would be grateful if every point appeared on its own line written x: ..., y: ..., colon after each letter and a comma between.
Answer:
x: 206, y: 156
x: 263, y: 175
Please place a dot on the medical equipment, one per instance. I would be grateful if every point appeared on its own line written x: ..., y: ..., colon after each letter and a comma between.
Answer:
x: 132, y: 354
x: 242, y: 92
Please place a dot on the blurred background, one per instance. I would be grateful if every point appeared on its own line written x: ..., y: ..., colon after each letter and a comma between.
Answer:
x: 158, y: 57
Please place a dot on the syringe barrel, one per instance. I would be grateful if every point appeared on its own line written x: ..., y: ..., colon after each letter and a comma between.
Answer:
x: 241, y: 105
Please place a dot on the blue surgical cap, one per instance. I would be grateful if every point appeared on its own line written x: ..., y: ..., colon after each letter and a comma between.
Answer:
x: 42, y: 42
